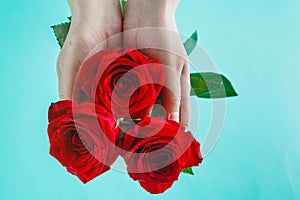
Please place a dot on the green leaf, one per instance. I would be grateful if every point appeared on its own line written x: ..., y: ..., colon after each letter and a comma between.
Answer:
x: 211, y: 85
x: 123, y: 5
x: 61, y: 32
x: 191, y: 43
x: 188, y: 171
x: 118, y: 121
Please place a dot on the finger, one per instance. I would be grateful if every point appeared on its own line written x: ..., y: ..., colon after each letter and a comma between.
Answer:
x: 171, y: 94
x: 185, y: 104
x: 67, y: 68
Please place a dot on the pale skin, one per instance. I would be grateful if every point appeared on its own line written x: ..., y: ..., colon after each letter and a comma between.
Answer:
x: 94, y: 21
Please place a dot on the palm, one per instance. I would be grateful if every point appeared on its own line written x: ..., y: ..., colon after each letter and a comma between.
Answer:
x: 162, y: 43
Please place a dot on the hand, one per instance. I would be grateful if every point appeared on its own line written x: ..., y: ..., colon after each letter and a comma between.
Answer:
x: 165, y: 46
x: 93, y: 22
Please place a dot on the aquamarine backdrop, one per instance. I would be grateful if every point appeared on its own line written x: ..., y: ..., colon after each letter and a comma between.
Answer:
x: 255, y: 43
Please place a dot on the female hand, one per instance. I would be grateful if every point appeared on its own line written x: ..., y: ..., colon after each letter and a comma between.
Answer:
x: 93, y: 22
x: 151, y: 23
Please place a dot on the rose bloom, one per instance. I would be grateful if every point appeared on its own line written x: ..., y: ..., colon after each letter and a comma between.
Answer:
x: 126, y: 82
x: 157, y: 151
x: 77, y: 139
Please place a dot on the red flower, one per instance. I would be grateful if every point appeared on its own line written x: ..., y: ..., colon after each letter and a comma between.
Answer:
x: 158, y: 151
x: 77, y: 138
x: 127, y: 83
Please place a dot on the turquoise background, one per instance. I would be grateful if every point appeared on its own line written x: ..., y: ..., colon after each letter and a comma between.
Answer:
x: 255, y: 43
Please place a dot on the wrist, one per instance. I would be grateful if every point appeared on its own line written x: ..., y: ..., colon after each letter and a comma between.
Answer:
x: 78, y: 6
x: 157, y: 6
x: 159, y: 13
x: 93, y: 11
x: 164, y: 3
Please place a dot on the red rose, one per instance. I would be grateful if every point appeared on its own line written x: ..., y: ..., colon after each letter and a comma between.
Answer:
x: 158, y: 151
x: 77, y: 139
x: 127, y: 83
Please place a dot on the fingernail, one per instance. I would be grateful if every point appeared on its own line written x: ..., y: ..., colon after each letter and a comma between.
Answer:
x: 174, y: 116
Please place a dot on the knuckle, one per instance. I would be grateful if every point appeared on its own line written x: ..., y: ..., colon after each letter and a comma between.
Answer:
x: 186, y: 66
x: 185, y: 101
x: 185, y: 123
x: 175, y: 100
x: 64, y: 96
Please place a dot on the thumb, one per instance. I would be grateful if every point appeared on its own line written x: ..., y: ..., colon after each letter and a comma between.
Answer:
x: 67, y: 67
x: 171, y: 94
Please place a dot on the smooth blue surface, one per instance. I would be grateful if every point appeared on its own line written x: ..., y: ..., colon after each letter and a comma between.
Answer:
x: 255, y: 43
